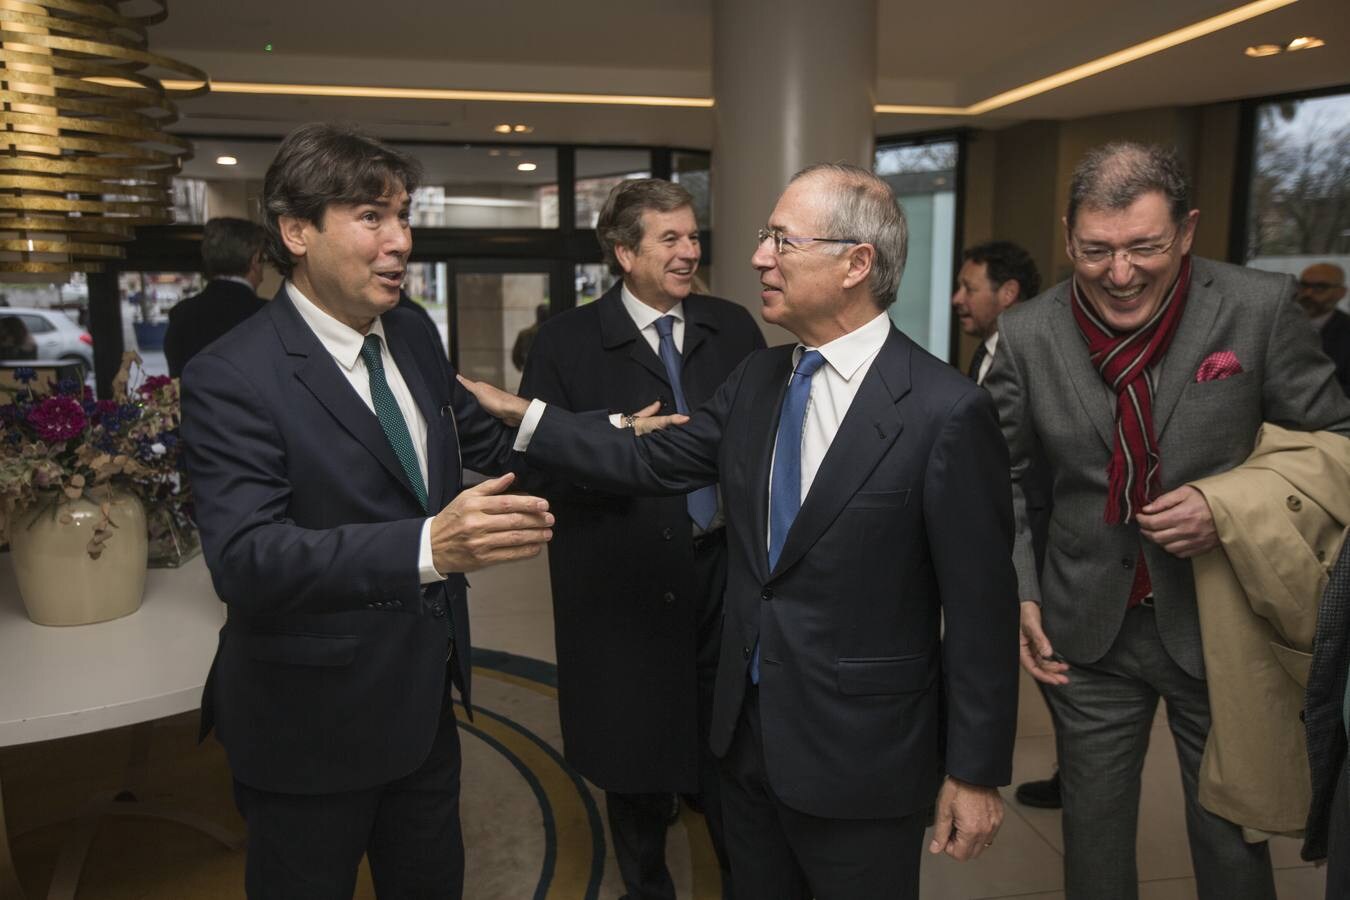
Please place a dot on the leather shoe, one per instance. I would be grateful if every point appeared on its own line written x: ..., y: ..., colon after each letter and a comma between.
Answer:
x: 1040, y: 794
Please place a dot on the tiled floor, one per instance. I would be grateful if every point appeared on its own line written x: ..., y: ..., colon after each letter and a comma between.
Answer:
x: 511, y: 611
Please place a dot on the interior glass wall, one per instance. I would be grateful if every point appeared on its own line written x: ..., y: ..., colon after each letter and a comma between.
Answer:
x: 923, y: 177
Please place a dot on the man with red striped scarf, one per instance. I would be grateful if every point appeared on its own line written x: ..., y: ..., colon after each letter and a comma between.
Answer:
x: 1148, y: 369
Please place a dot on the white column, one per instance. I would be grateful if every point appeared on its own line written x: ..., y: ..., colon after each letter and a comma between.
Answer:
x: 795, y: 84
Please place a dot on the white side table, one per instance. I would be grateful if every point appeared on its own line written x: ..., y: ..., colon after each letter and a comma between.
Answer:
x: 61, y: 682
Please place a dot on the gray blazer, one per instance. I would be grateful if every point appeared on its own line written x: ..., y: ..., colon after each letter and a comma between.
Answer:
x: 1051, y: 400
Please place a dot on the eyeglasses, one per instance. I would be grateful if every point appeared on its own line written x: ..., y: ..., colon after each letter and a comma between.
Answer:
x: 1096, y: 255
x: 1316, y: 285
x: 779, y: 239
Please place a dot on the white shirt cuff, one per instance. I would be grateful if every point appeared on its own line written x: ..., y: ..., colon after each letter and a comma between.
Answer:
x: 528, y: 423
x: 426, y: 571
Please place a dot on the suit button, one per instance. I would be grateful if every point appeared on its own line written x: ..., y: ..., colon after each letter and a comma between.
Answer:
x: 1321, y: 556
x: 668, y: 596
x: 371, y: 605
x: 1293, y: 503
x: 745, y: 652
x: 396, y: 604
x: 438, y: 612
x: 766, y: 594
x: 667, y: 534
x: 1126, y: 563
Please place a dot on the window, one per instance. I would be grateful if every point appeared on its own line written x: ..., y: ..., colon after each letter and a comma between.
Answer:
x: 598, y: 171
x: 923, y: 176
x: 1298, y: 200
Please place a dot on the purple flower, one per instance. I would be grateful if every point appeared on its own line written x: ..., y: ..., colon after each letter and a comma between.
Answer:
x: 25, y: 374
x: 154, y: 383
x: 69, y: 387
x: 57, y: 419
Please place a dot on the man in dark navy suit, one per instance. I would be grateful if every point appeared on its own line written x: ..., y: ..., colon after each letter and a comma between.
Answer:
x: 232, y: 260
x: 326, y: 438
x: 637, y: 582
x: 856, y: 472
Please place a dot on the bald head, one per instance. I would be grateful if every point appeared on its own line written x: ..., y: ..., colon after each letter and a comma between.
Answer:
x: 1320, y: 288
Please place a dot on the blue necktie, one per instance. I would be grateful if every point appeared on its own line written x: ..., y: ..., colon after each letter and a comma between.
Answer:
x: 785, y: 488
x: 391, y: 419
x: 702, y: 503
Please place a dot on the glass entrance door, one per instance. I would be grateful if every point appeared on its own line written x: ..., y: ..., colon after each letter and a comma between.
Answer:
x: 486, y: 311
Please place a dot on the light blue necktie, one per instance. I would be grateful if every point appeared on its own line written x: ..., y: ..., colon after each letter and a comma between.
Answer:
x: 391, y: 419
x: 702, y: 503
x: 785, y: 488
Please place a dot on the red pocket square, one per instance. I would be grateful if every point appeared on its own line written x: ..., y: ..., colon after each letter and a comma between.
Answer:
x: 1217, y: 366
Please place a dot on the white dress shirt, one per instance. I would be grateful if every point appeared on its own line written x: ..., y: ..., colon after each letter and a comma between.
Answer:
x: 833, y: 388
x: 990, y: 346
x: 344, y: 344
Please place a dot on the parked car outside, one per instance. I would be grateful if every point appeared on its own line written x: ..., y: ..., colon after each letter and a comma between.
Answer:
x: 57, y: 337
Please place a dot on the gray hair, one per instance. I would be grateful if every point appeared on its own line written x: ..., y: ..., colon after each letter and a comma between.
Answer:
x: 1113, y: 176
x: 864, y: 209
x: 620, y: 221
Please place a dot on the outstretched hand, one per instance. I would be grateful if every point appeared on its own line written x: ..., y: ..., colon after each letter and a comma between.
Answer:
x: 484, y: 526
x: 645, y: 420
x: 500, y: 404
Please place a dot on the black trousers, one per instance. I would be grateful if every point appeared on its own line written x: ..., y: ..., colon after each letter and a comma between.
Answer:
x: 309, y: 846
x: 1338, y: 841
x: 779, y: 853
x: 638, y: 822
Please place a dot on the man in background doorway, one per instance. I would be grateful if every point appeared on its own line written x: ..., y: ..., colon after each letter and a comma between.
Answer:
x: 1320, y: 288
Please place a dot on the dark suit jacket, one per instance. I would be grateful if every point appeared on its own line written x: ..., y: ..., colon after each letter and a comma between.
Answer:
x: 332, y: 663
x: 908, y: 522
x: 1322, y: 710
x: 625, y: 604
x: 200, y: 319
x: 1336, y: 344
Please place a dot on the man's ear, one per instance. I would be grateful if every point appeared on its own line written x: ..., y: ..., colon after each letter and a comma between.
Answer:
x: 293, y: 234
x: 1007, y: 293
x: 626, y: 257
x: 860, y: 261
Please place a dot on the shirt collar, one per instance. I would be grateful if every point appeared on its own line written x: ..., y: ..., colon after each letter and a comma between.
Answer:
x: 1320, y: 322
x: 644, y: 316
x: 991, y: 343
x: 341, y: 341
x: 847, y: 354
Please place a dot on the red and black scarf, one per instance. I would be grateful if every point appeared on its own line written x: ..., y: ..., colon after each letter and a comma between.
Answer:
x: 1125, y: 362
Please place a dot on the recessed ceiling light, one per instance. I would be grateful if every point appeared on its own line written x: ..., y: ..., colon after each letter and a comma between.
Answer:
x: 1304, y: 43
x: 527, y: 167
x: 513, y: 153
x: 226, y: 161
x: 494, y: 152
x: 502, y: 128
x: 1258, y: 50
x: 522, y: 129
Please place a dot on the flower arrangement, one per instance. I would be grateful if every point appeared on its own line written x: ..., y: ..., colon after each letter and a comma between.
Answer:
x: 61, y: 443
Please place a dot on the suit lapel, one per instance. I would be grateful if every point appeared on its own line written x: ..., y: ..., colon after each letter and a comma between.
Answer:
x: 617, y: 329
x: 1096, y: 398
x: 400, y: 337
x: 762, y: 429
x: 317, y: 371
x: 867, y: 432
x: 1183, y: 358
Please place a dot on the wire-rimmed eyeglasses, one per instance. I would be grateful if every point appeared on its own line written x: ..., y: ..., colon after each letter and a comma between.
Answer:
x: 779, y: 239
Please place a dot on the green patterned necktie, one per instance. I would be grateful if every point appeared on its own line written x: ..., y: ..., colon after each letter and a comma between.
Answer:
x: 391, y: 420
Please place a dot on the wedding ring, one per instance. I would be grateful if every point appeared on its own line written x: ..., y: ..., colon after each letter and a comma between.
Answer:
x: 627, y: 421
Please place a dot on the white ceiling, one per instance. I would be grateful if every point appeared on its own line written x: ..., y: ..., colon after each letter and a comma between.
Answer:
x: 954, y: 52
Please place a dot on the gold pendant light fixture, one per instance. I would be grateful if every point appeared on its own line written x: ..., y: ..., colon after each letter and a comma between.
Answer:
x: 85, y: 157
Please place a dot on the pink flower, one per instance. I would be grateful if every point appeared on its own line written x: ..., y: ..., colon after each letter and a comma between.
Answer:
x: 154, y: 383
x: 57, y: 419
